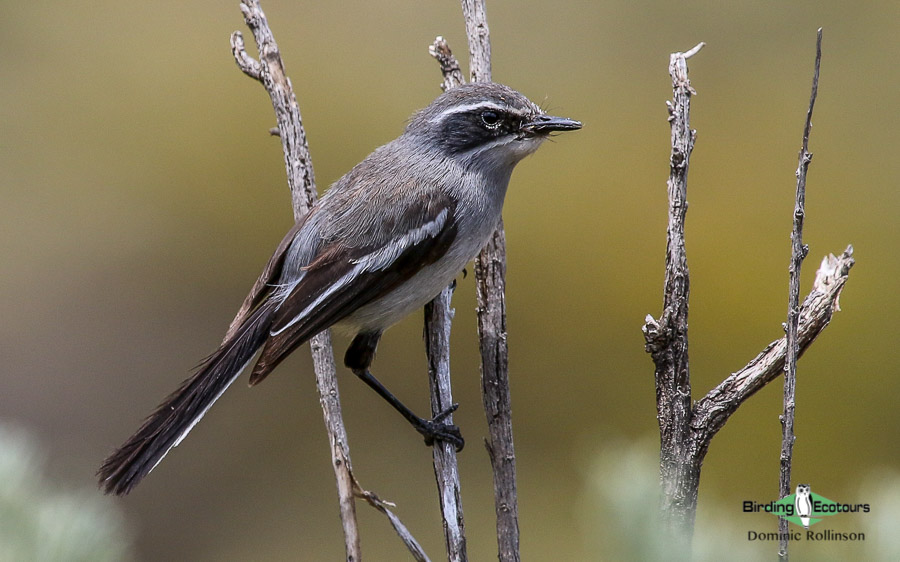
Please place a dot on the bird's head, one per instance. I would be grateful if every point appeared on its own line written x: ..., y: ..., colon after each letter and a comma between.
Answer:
x: 484, y: 125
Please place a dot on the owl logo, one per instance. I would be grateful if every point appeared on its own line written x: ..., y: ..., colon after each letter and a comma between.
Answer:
x: 803, y: 504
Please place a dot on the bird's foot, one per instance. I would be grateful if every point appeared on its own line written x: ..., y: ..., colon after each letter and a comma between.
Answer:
x: 436, y: 430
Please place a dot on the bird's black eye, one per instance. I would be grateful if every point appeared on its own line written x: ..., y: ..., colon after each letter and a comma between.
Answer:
x: 490, y: 118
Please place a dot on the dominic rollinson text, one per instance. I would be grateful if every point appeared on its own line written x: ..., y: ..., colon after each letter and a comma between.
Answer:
x: 827, y: 535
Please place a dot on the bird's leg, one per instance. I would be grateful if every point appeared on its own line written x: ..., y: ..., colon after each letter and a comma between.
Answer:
x: 359, y: 357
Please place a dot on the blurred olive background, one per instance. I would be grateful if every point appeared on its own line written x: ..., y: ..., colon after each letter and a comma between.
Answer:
x: 141, y: 195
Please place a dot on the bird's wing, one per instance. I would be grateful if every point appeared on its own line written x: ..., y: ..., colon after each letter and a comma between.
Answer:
x: 340, y: 280
x: 266, y: 280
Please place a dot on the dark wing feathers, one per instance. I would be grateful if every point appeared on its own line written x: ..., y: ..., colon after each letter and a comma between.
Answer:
x: 291, y: 327
x: 266, y: 279
x: 175, y: 417
x: 338, y: 281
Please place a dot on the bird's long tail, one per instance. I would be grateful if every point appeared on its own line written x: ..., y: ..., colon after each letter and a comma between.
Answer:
x: 177, y: 415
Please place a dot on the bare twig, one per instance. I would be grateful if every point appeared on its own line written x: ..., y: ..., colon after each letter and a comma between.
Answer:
x: 714, y: 409
x: 667, y: 340
x: 440, y: 50
x: 384, y: 507
x: 798, y: 252
x: 490, y: 280
x: 269, y: 70
x: 490, y: 276
x: 438, y: 318
x: 479, y: 37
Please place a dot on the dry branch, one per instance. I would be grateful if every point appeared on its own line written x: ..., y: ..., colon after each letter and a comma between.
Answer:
x: 490, y: 282
x: 269, y: 70
x: 411, y: 544
x: 714, y: 409
x: 798, y: 253
x: 667, y: 340
x: 479, y: 37
x: 438, y: 318
x: 441, y: 52
x: 685, y: 431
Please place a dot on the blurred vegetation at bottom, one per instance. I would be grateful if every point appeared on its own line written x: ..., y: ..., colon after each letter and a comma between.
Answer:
x: 621, y: 518
x: 42, y: 521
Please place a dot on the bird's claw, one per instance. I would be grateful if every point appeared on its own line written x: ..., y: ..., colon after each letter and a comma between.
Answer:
x: 436, y: 430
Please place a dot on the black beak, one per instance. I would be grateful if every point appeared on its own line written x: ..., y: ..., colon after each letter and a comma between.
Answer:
x: 545, y: 124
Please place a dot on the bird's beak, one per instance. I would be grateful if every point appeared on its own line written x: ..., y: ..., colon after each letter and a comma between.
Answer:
x: 545, y: 124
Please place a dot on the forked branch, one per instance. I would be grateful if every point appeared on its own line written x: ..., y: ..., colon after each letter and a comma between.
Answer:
x: 685, y: 430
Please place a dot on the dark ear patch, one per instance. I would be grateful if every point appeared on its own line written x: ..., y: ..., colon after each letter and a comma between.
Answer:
x: 464, y: 131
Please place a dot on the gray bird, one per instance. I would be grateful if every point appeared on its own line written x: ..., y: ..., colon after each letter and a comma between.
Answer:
x: 382, y: 242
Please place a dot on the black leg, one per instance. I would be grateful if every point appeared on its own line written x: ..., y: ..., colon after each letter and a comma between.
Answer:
x: 359, y: 357
x: 361, y: 352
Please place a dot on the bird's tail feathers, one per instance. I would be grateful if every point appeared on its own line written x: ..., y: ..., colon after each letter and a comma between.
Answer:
x: 181, y: 410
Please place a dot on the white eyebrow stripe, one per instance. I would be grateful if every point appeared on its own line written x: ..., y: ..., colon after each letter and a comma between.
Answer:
x: 473, y: 106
